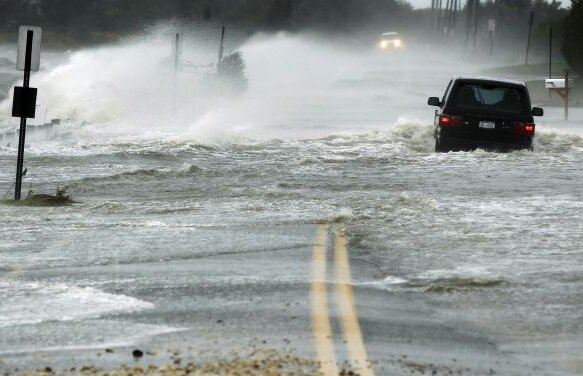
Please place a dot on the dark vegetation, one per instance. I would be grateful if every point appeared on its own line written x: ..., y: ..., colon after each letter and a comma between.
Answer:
x: 83, y: 17
x: 61, y: 198
x: 88, y: 19
x: 68, y: 23
x: 231, y: 69
x: 469, y: 28
x: 512, y: 26
x: 573, y: 40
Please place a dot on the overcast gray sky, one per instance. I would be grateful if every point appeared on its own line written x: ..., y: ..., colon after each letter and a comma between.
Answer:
x: 427, y: 3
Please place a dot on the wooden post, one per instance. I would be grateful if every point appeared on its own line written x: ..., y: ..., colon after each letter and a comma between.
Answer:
x: 530, y: 23
x: 493, y: 32
x: 469, y: 7
x: 439, y: 17
x: 476, y: 19
x: 176, y: 53
x: 550, y: 57
x: 432, y: 17
x: 567, y: 89
x: 176, y: 68
x: 222, y: 45
x: 491, y: 43
x: 565, y: 94
x: 451, y: 18
x: 455, y: 9
x: 448, y: 16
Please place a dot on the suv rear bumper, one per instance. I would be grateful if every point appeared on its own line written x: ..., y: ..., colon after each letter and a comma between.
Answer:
x: 462, y: 143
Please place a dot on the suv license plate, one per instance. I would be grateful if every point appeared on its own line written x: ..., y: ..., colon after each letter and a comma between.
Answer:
x: 487, y: 125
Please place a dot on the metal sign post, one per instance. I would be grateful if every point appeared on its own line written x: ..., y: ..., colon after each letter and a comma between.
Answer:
x: 24, y: 101
x: 530, y: 23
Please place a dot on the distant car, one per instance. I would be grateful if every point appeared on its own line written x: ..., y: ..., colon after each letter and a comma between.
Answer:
x: 484, y: 113
x: 390, y: 41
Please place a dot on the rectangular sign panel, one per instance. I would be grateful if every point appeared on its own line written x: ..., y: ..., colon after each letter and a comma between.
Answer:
x: 35, y: 51
x: 24, y: 102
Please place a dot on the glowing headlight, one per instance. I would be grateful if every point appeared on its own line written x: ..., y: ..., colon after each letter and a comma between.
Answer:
x: 384, y: 44
x: 398, y: 43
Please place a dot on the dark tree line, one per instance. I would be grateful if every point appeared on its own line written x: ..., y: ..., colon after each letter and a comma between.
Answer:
x: 88, y: 21
x: 122, y: 16
x: 513, y: 23
x: 470, y: 26
x: 573, y: 37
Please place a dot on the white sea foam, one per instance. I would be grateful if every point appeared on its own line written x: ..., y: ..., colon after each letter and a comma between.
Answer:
x: 392, y: 280
x: 34, y: 302
x: 125, y: 93
x: 389, y: 283
x: 127, y: 90
x: 465, y: 271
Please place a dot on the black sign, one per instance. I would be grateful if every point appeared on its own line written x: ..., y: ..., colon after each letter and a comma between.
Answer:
x: 24, y: 104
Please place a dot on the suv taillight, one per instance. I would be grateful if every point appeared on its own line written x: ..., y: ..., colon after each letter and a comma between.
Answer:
x: 524, y: 129
x: 447, y: 121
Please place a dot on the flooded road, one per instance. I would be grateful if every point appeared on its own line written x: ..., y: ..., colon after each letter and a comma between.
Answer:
x: 199, y: 230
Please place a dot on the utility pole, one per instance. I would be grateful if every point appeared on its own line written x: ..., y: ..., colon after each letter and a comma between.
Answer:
x: 176, y: 53
x: 491, y: 28
x: 492, y: 25
x: 567, y: 89
x: 551, y: 53
x: 469, y: 8
x: 451, y: 18
x: 455, y: 9
x: 476, y: 19
x: 433, y: 6
x: 440, y: 17
x: 447, y: 16
x: 530, y: 23
x: 222, y: 45
x: 176, y: 67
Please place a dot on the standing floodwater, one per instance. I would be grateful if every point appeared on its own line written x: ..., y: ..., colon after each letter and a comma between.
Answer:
x: 197, y: 229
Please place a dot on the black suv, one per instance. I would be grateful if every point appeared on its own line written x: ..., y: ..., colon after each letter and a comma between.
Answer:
x: 484, y: 113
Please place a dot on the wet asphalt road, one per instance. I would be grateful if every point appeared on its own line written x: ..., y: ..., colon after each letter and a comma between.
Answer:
x: 226, y: 303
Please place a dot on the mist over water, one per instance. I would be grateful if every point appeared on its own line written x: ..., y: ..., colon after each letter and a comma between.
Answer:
x: 299, y: 86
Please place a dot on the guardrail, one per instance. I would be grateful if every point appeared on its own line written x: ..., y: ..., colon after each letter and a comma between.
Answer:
x: 46, y: 130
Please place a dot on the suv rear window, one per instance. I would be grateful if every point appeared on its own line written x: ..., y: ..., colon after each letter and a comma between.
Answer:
x: 475, y: 97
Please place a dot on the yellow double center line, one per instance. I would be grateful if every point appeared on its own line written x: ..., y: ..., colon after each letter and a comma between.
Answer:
x: 320, y: 313
x: 322, y: 330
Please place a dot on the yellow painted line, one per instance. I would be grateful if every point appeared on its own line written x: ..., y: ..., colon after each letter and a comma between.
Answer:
x: 347, y: 309
x: 321, y: 327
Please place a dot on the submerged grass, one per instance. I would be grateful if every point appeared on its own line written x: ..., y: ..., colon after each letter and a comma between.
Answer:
x: 61, y: 198
x: 462, y: 284
x: 41, y: 200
